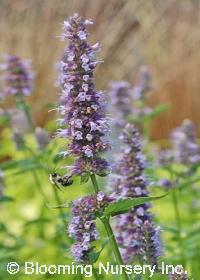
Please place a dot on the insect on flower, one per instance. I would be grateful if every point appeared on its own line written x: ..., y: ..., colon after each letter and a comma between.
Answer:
x: 60, y: 181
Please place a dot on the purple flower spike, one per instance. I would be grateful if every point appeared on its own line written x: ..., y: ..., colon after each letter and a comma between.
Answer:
x: 139, y: 92
x: 18, y: 76
x: 151, y: 242
x: 120, y: 98
x: 83, y: 119
x: 82, y: 226
x: 143, y: 84
x: 165, y: 157
x: 136, y: 233
x: 186, y: 150
x: 42, y: 137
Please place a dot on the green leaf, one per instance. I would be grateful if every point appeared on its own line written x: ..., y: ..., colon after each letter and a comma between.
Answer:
x: 57, y: 158
x: 37, y: 221
x: 66, y: 205
x: 21, y: 166
x: 28, y: 168
x: 10, y: 164
x: 159, y: 109
x: 85, y: 178
x: 93, y: 256
x: 102, y: 173
x: 156, y: 112
x: 22, y: 163
x: 188, y: 183
x: 170, y: 229
x: 124, y: 205
x: 6, y: 199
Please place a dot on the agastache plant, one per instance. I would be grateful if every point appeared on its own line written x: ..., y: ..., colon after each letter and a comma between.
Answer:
x: 18, y: 76
x: 82, y: 226
x: 42, y: 137
x: 129, y: 103
x: 143, y: 84
x: 142, y: 113
x: 185, y: 151
x: 185, y: 148
x: 81, y: 109
x: 137, y: 235
x: 18, y: 82
x: 120, y: 101
x: 84, y: 124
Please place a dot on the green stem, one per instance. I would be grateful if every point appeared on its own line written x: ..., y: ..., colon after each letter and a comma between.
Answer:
x: 95, y: 274
x: 28, y: 115
x: 145, y: 123
x: 38, y: 185
x: 178, y: 219
x: 25, y: 109
x: 193, y: 194
x: 114, y: 245
x: 109, y: 232
x: 179, y: 226
x: 94, y: 182
x: 138, y: 277
x: 176, y: 211
x: 59, y: 203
